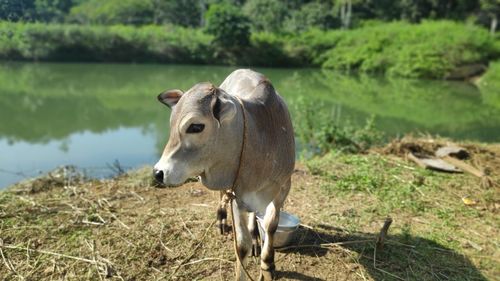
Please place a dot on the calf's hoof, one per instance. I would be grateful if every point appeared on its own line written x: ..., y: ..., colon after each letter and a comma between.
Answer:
x: 223, y: 228
x: 267, y: 275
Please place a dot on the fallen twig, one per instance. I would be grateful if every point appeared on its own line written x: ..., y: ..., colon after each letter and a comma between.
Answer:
x: 206, y: 259
x: 326, y: 245
x: 12, y: 247
x: 9, y: 265
x: 119, y: 221
x: 486, y: 181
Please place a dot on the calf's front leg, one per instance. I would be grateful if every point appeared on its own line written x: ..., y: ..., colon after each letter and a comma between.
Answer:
x: 243, y: 241
x: 222, y: 214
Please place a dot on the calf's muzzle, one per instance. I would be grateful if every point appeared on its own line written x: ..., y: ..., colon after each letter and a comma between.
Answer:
x: 158, y: 175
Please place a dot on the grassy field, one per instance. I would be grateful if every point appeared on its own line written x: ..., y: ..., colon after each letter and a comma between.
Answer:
x: 445, y: 226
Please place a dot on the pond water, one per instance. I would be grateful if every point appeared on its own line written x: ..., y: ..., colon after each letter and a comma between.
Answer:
x: 94, y: 115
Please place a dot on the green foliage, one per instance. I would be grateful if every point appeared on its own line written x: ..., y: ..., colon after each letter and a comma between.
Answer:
x: 311, y: 15
x: 113, y: 12
x: 16, y: 10
x: 99, y: 43
x: 228, y: 25
x: 427, y: 50
x: 490, y: 85
x: 268, y: 49
x: 53, y: 10
x: 187, y: 13
x: 417, y: 10
x: 318, y: 130
x: 346, y: 174
x: 309, y: 47
x: 266, y: 15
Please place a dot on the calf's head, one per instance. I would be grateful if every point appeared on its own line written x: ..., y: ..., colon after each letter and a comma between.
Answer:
x: 197, y: 123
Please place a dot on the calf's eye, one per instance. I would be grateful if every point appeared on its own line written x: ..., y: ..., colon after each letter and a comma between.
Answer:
x: 195, y: 128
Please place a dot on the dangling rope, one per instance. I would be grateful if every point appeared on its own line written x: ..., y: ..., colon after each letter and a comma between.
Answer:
x: 230, y: 194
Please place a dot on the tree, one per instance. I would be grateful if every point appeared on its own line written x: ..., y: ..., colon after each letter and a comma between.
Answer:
x: 344, y: 9
x: 186, y: 13
x: 491, y: 8
x: 266, y: 15
x: 17, y: 10
x: 417, y: 10
x: 311, y: 15
x: 114, y: 12
x: 228, y: 25
x: 52, y: 10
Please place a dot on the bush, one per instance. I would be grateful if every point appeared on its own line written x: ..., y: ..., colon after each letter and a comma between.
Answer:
x: 113, y: 12
x: 228, y: 25
x: 309, y: 47
x: 490, y: 85
x: 268, y: 49
x: 427, y: 50
x: 34, y: 41
x: 311, y: 15
x: 266, y: 15
x: 318, y: 131
x: 187, y: 13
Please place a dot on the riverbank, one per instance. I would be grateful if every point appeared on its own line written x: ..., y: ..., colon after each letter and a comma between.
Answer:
x: 445, y: 225
x: 432, y: 49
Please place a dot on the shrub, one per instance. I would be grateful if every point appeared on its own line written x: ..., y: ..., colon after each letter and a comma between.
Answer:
x: 309, y: 47
x: 311, y: 15
x: 266, y: 15
x: 427, y: 50
x: 228, y: 25
x: 319, y: 132
x: 490, y: 85
x: 268, y: 49
x: 113, y: 12
x: 34, y: 41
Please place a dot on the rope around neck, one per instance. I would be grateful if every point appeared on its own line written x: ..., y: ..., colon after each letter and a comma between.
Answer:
x: 231, y: 196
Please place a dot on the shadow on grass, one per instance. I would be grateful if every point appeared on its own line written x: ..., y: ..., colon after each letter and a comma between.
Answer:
x: 404, y: 257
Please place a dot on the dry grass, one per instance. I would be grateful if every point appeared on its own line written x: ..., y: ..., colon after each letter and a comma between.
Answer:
x: 63, y: 227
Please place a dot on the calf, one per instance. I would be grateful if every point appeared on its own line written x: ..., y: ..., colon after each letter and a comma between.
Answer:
x: 236, y: 137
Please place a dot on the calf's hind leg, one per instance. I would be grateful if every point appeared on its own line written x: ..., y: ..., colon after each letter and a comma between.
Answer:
x: 271, y: 220
x: 254, y: 232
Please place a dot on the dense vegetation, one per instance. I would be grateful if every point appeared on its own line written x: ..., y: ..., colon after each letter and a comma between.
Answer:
x: 264, y: 15
x: 409, y: 38
x: 429, y: 49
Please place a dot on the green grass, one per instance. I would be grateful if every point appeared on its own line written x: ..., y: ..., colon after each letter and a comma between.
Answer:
x: 395, y: 187
x: 372, y: 174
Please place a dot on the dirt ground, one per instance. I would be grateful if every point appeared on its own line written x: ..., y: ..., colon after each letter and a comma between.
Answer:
x: 62, y: 227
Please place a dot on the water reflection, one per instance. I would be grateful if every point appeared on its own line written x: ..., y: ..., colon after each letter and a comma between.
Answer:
x: 93, y: 114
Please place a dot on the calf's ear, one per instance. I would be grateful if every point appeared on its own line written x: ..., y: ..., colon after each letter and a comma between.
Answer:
x: 170, y: 97
x: 223, y: 109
